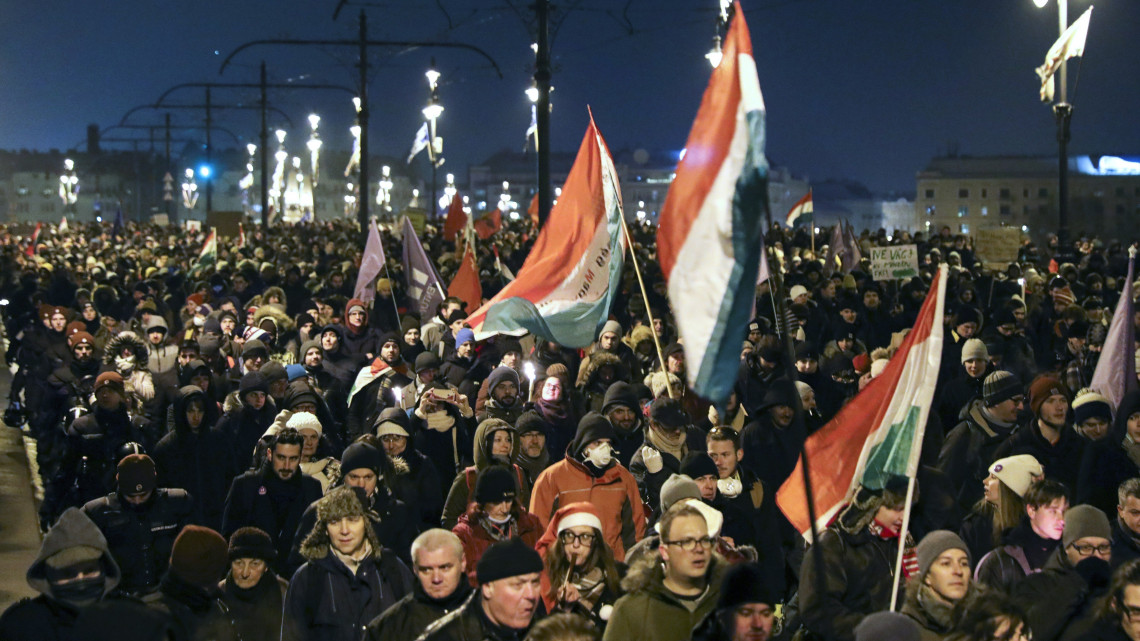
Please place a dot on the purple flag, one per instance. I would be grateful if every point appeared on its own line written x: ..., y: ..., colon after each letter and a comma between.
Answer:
x: 370, y: 265
x: 835, y: 247
x: 1115, y: 373
x: 425, y: 292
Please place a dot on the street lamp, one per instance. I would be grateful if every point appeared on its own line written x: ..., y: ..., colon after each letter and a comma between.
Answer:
x: 716, y: 54
x: 1063, y: 112
x: 314, y: 146
x: 384, y: 195
x: 448, y: 192
x: 247, y: 180
x: 432, y: 112
x: 69, y: 186
x: 189, y: 191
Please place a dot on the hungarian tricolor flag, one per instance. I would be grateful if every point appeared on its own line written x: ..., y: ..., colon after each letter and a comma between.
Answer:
x: 878, y: 434
x: 31, y: 250
x: 801, y: 212
x: 241, y: 237
x: 456, y: 218
x: 209, y: 250
x: 565, y: 288
x: 711, y: 226
x: 465, y: 285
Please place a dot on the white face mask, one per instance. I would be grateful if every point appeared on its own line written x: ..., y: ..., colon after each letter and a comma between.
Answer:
x: 601, y: 455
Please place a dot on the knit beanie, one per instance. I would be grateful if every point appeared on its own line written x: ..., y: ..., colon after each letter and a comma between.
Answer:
x: 209, y: 344
x: 1091, y: 404
x: 135, y: 474
x: 745, y: 583
x: 360, y: 456
x: 499, y: 375
x: 974, y: 349
x: 252, y: 382
x: 531, y: 421
x: 558, y: 370
x: 495, y: 484
x: 80, y: 338
x: 1042, y: 388
x: 1000, y: 386
x: 1018, y: 472
x: 1082, y: 521
x: 273, y: 371
x: 696, y: 464
x: 619, y: 394
x: 393, y: 420
x: 462, y: 336
x: 305, y: 421
x: 669, y: 413
x: 253, y: 347
x: 109, y: 378
x: 677, y: 487
x: 251, y: 543
x: 426, y: 361
x: 591, y: 427
x: 506, y: 559
x: 611, y: 326
x: 933, y: 545
x: 200, y: 556
x: 295, y: 371
x: 884, y: 626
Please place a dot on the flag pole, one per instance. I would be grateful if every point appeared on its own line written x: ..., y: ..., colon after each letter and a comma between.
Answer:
x: 902, y: 543
x: 811, y: 224
x: 648, y: 309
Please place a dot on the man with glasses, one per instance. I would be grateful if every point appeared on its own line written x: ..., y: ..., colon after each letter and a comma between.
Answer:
x: 1061, y: 599
x: 672, y: 591
x: 986, y: 423
x: 1120, y: 619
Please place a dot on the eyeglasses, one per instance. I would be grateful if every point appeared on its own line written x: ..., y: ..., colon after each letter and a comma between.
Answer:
x: 688, y: 545
x: 568, y: 538
x: 1088, y: 550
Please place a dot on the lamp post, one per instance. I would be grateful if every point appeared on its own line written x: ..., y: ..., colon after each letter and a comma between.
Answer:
x: 246, y: 182
x: 384, y: 194
x: 277, y: 192
x: 69, y: 187
x: 432, y: 112
x: 1063, y: 112
x: 189, y: 191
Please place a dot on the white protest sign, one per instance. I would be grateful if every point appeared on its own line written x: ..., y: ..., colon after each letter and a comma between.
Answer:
x: 894, y: 263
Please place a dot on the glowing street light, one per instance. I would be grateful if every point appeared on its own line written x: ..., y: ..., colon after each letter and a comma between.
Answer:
x: 69, y: 185
x: 384, y: 194
x: 189, y: 190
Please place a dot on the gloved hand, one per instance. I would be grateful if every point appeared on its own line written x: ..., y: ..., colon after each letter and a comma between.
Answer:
x: 652, y: 459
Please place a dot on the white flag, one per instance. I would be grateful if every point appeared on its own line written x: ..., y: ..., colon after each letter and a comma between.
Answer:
x: 63, y: 225
x: 420, y: 143
x: 1071, y: 44
x: 532, y: 128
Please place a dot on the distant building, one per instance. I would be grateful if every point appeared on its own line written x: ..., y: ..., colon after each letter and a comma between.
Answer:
x: 967, y: 194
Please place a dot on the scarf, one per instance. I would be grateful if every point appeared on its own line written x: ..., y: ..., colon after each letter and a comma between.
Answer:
x: 553, y: 411
x: 910, y: 557
x: 674, y: 445
x: 500, y: 531
x: 439, y: 421
x: 590, y: 587
x: 936, y: 609
x: 533, y: 466
x: 353, y: 562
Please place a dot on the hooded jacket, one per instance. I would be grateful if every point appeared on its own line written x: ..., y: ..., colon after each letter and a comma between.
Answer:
x: 149, y: 399
x: 463, y: 486
x: 244, y: 426
x: 363, y: 341
x: 969, y: 450
x: 163, y: 357
x: 202, y: 462
x: 614, y: 494
x: 650, y: 611
x: 1060, y: 600
x: 45, y: 617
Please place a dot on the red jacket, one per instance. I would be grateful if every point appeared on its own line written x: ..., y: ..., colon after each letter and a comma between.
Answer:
x: 476, y: 540
x: 615, y: 495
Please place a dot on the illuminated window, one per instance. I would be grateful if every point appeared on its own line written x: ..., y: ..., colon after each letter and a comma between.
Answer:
x: 963, y: 211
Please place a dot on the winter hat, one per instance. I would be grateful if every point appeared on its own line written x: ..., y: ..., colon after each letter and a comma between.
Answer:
x: 251, y: 543
x: 878, y: 365
x: 797, y: 291
x: 611, y: 326
x: 677, y: 487
x: 339, y: 503
x: 861, y: 363
x: 360, y: 456
x: 506, y: 559
x: 745, y: 583
x: 669, y: 413
x: 305, y: 421
x: 136, y: 474
x: 933, y: 545
x: 1042, y: 388
x: 1082, y: 521
x: 393, y: 420
x: 558, y: 370
x: 973, y: 349
x: 426, y: 361
x: 807, y: 351
x: 252, y: 382
x: 200, y: 556
x: 696, y: 464
x: 295, y: 371
x: 109, y: 378
x: 273, y: 371
x: 209, y: 344
x: 887, y: 626
x: 495, y: 484
x: 80, y: 338
x: 499, y: 375
x: 657, y: 382
x: 462, y: 336
x: 578, y: 514
x: 967, y: 314
x: 1078, y: 329
x: 1064, y: 296
x: 1000, y: 386
x: 1017, y: 472
x: 591, y: 427
x: 253, y: 347
x: 619, y: 394
x: 509, y: 345
x: 531, y: 421
x: 1091, y: 404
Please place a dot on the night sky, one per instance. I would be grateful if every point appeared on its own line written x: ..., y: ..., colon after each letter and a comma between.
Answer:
x: 867, y: 90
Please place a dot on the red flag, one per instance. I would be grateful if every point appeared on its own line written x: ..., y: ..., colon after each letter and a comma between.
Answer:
x: 31, y: 250
x: 489, y: 224
x: 466, y: 285
x: 456, y: 218
x: 533, y: 210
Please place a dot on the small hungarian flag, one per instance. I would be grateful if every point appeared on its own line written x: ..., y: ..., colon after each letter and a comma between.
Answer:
x: 801, y: 212
x: 31, y: 250
x: 878, y: 434
x: 209, y: 248
x: 241, y: 237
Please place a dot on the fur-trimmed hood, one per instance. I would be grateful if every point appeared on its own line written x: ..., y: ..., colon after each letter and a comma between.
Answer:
x: 126, y: 340
x: 647, y: 572
x: 275, y: 313
x: 338, y: 503
x: 600, y: 359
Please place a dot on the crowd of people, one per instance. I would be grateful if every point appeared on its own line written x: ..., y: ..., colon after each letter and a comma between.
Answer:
x: 247, y: 446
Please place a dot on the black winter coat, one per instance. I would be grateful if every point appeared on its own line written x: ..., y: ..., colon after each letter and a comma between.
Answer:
x: 469, y: 623
x: 259, y: 499
x: 141, y: 538
x: 1125, y: 545
x: 193, y: 614
x: 414, y: 613
x: 326, y: 602
x: 969, y: 450
x: 1062, y: 461
x: 1058, y: 601
x: 420, y: 488
x: 256, y: 612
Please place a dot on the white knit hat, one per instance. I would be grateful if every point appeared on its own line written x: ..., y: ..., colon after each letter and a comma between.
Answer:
x: 305, y: 421
x: 1017, y: 472
x: 974, y: 348
x: 391, y: 427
